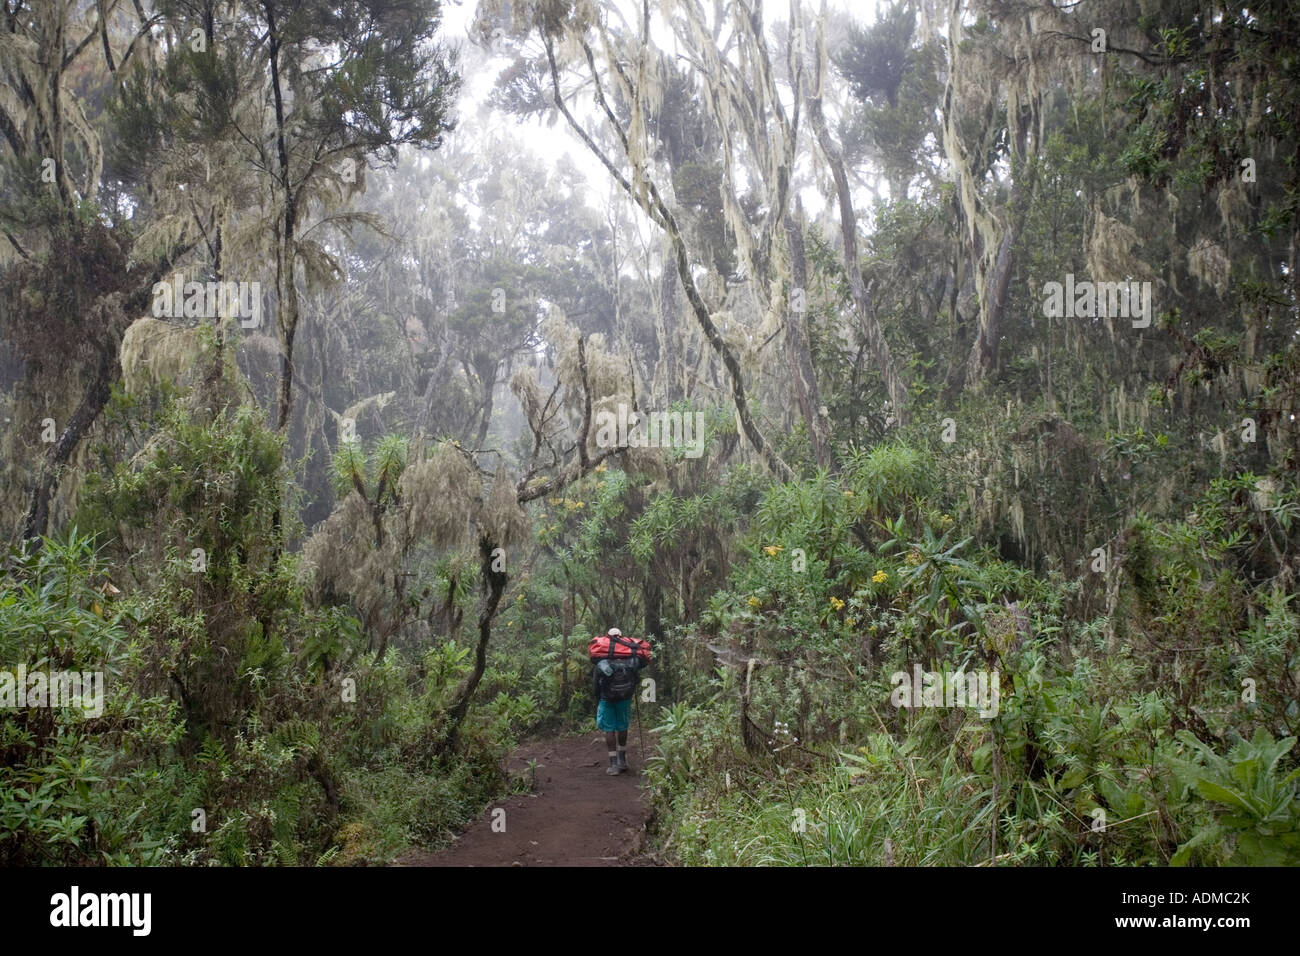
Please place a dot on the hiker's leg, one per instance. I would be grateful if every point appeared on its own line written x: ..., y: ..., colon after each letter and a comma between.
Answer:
x: 605, y: 721
x: 622, y: 743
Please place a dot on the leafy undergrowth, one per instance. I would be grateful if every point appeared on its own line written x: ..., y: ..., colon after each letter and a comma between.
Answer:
x: 1162, y: 732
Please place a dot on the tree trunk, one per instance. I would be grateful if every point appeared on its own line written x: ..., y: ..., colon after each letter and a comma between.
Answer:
x: 423, y: 423
x: 489, y: 389
x: 871, y: 331
x: 652, y: 596
x: 37, y: 520
x: 804, y: 380
x: 115, y: 311
x: 494, y: 585
x: 566, y: 627
x: 288, y: 323
x: 652, y: 202
x: 285, y: 288
x: 669, y: 335
x: 984, y: 350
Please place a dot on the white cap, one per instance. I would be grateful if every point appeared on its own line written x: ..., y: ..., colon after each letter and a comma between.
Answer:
x: 615, y: 632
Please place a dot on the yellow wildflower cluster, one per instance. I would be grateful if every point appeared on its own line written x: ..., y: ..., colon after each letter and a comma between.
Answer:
x: 754, y: 601
x: 566, y: 503
x: 880, y: 576
x: 772, y: 550
x: 836, y: 603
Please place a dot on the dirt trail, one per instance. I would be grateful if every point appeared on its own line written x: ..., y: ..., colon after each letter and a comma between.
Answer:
x: 576, y: 816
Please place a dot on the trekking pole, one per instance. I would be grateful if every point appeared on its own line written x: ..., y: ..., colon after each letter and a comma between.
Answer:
x: 640, y: 728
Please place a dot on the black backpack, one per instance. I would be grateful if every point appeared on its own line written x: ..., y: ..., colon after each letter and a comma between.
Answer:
x: 620, y: 684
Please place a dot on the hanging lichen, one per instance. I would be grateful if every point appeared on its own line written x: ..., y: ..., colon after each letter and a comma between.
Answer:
x: 441, y: 495
x: 154, y: 351
x: 1207, y: 261
x: 1111, y: 255
x: 501, y: 518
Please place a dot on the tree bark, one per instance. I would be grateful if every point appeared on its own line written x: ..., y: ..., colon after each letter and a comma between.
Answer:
x: 485, y: 421
x: 804, y: 380
x: 566, y: 628
x: 863, y: 306
x: 652, y: 596
x: 37, y: 520
x: 422, y: 423
x: 670, y: 387
x: 494, y: 583
x: 984, y: 350
x: 650, y: 200
x: 286, y: 290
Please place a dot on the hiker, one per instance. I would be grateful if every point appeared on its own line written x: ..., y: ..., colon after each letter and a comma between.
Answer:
x: 617, y: 660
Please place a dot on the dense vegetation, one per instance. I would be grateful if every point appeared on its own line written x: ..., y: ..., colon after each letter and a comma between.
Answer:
x: 338, y: 545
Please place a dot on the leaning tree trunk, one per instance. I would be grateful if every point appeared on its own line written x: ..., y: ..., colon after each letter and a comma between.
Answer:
x: 494, y: 583
x: 649, y: 199
x: 115, y: 311
x: 37, y: 520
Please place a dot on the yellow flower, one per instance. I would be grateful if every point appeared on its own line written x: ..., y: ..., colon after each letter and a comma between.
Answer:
x: 913, y: 557
x: 851, y: 621
x: 836, y: 603
x: 773, y: 550
x: 754, y: 601
x: 601, y: 468
x: 880, y: 576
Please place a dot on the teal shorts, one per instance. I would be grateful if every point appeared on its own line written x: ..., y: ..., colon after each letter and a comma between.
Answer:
x: 613, y: 715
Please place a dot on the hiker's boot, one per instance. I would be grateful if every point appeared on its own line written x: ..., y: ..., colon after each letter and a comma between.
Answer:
x: 613, y: 765
x: 622, y: 760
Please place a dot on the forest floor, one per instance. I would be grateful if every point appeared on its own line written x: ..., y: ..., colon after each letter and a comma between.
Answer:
x: 576, y: 814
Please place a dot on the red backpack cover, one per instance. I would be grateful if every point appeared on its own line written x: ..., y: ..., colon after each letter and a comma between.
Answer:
x: 624, y: 647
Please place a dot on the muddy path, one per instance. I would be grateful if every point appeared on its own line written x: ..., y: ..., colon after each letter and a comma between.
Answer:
x: 577, y: 815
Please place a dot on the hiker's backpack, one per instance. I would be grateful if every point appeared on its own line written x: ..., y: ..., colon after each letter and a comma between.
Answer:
x: 616, y: 660
x: 618, y: 647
